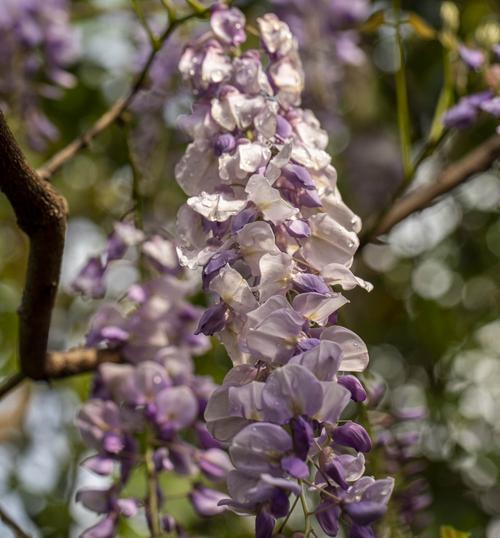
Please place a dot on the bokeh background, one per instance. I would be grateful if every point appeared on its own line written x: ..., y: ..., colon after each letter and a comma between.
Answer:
x: 432, y: 323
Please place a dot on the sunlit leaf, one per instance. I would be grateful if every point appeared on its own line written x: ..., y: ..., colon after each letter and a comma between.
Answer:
x: 450, y: 532
x: 374, y: 22
x: 421, y: 27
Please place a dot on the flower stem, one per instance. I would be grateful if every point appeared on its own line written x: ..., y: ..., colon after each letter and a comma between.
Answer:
x: 402, y: 97
x: 144, y: 22
x: 307, y: 515
x: 285, y: 521
x: 197, y: 6
x: 152, y: 498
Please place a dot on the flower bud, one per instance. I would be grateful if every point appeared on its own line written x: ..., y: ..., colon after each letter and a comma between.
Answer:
x: 352, y: 435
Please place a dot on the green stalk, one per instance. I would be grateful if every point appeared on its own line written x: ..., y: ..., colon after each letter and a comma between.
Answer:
x: 152, y: 500
x: 142, y: 19
x: 402, y: 97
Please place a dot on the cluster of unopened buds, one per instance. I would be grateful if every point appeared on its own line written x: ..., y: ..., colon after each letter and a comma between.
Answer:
x: 469, y: 107
x: 141, y: 410
x: 266, y: 224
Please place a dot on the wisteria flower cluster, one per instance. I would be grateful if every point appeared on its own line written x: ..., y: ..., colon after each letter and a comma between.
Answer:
x: 141, y: 410
x: 37, y: 46
x: 266, y: 224
x: 326, y: 60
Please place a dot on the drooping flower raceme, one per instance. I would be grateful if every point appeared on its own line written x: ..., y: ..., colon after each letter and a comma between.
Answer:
x: 266, y: 224
x: 141, y: 410
x: 36, y: 47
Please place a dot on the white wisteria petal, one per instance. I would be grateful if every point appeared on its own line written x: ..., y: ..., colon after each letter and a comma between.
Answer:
x: 273, y: 170
x: 275, y: 34
x: 198, y: 169
x: 336, y: 274
x: 215, y: 207
x: 335, y: 400
x: 329, y: 241
x: 269, y: 200
x: 192, y: 248
x: 275, y: 274
x: 233, y: 289
x: 355, y: 354
x: 317, y: 307
x: 337, y: 209
x: 323, y: 360
x: 255, y: 240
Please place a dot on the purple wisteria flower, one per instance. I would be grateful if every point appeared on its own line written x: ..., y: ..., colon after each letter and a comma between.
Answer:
x: 267, y: 226
x: 37, y: 46
x: 486, y: 102
x: 143, y: 409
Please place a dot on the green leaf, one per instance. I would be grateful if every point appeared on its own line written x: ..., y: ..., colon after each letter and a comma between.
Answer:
x: 421, y: 27
x: 374, y: 22
x: 450, y: 532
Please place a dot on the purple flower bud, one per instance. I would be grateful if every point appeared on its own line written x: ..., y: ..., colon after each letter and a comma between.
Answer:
x: 460, y: 116
x: 99, y: 464
x: 302, y: 436
x: 168, y: 523
x: 476, y: 99
x: 298, y: 228
x: 295, y: 466
x: 365, y: 512
x: 309, y: 198
x: 243, y: 218
x: 204, y: 437
x: 215, y: 464
x: 307, y: 282
x: 279, y: 504
x: 264, y: 525
x: 357, y: 531
x: 354, y: 386
x: 352, y: 435
x: 283, y: 128
x: 335, y: 470
x: 224, y: 143
x: 216, y: 263
x: 328, y: 515
x: 213, y: 320
x: 472, y: 58
x: 127, y: 507
x: 205, y: 501
x: 307, y: 344
x: 162, y: 461
x: 491, y: 107
x: 228, y: 24
x: 112, y: 443
x: 299, y: 176
x: 90, y: 280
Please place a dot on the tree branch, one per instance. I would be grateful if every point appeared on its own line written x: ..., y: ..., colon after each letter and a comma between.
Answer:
x: 41, y: 213
x: 61, y: 364
x: 117, y: 109
x: 478, y: 160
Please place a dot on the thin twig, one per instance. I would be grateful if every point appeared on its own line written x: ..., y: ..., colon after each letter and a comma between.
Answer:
x: 13, y: 526
x: 478, y: 160
x: 117, y: 109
